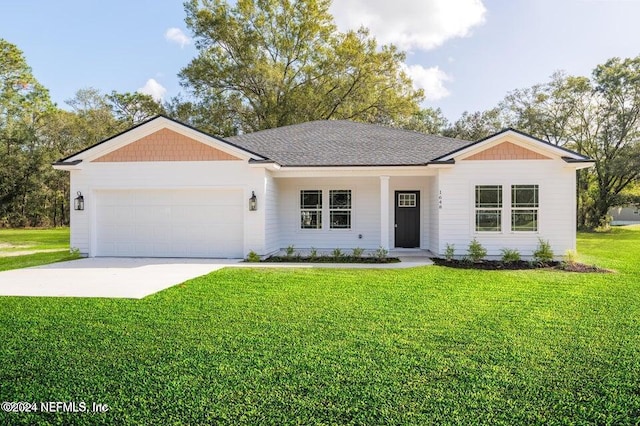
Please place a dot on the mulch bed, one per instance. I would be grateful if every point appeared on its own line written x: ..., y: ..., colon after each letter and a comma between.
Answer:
x: 330, y: 259
x: 496, y: 265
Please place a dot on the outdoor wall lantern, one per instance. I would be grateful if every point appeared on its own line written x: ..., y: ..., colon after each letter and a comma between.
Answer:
x: 253, y: 202
x: 78, y: 202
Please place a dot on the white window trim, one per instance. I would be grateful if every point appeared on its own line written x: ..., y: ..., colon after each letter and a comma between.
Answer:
x: 300, y: 208
x: 475, y: 209
x: 511, y: 209
x: 350, y: 210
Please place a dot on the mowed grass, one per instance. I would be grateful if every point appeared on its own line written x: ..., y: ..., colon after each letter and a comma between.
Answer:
x: 54, y: 240
x: 295, y: 346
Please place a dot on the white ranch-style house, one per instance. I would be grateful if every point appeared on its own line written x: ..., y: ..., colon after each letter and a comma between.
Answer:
x: 165, y: 189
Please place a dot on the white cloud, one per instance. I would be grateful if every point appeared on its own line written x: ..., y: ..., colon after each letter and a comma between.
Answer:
x: 153, y: 88
x: 411, y: 24
x: 431, y: 79
x: 176, y: 35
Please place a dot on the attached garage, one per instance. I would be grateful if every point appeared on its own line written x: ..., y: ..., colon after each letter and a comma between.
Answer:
x: 205, y: 223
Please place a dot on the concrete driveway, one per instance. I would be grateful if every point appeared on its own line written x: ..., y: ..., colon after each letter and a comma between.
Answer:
x: 132, y: 278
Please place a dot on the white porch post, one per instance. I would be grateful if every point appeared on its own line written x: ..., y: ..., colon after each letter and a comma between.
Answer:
x: 384, y: 212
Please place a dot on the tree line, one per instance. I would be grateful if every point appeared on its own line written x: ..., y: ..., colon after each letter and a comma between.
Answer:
x: 263, y: 63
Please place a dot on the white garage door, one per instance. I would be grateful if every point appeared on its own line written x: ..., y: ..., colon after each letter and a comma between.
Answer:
x: 170, y: 223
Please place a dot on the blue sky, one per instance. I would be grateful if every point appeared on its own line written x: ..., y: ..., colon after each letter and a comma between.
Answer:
x: 467, y: 54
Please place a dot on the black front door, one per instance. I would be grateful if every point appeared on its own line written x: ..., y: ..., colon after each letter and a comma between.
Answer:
x: 407, y: 219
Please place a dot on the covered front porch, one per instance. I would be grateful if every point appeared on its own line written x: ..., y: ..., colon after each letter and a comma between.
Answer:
x: 356, y: 209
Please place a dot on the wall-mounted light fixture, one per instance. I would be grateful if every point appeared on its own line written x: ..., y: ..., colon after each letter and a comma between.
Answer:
x: 78, y: 202
x: 253, y: 202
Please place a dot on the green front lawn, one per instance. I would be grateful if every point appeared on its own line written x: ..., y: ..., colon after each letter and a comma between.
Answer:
x: 49, y: 246
x: 296, y: 346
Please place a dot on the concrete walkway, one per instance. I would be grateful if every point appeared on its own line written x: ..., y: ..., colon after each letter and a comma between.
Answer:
x: 136, y: 278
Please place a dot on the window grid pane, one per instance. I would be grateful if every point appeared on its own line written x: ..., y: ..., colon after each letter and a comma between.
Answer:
x: 406, y: 200
x: 488, y: 196
x: 524, y: 196
x: 524, y: 220
x: 340, y: 199
x: 488, y: 220
x: 311, y: 219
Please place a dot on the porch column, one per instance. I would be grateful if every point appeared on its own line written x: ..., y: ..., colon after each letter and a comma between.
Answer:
x: 384, y: 212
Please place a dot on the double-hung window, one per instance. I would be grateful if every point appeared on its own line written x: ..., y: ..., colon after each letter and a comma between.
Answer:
x: 311, y: 209
x: 340, y: 209
x: 524, y: 208
x: 488, y: 208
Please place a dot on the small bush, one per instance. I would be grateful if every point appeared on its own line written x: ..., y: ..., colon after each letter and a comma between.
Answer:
x: 253, y: 257
x: 313, y: 253
x: 337, y: 253
x: 510, y: 255
x: 289, y: 250
x: 357, y: 252
x: 449, y: 252
x: 570, y: 258
x: 543, y: 254
x: 381, y: 253
x: 476, y: 251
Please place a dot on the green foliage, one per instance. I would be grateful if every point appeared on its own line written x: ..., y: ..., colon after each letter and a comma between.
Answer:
x: 570, y: 257
x: 289, y: 250
x: 264, y: 64
x: 357, y: 252
x: 34, y: 240
x: 381, y: 253
x: 133, y: 108
x: 476, y: 251
x: 313, y: 253
x: 253, y: 257
x: 543, y: 253
x: 337, y: 253
x: 264, y: 346
x: 449, y: 252
x: 510, y: 255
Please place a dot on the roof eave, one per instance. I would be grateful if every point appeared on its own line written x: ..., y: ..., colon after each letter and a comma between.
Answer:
x: 66, y: 165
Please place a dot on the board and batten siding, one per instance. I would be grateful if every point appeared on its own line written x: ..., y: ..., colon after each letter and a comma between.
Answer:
x: 433, y: 231
x: 556, y: 214
x: 168, y: 175
x: 365, y: 219
x: 272, y: 223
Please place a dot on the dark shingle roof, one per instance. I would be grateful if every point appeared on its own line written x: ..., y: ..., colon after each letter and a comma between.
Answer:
x: 345, y: 143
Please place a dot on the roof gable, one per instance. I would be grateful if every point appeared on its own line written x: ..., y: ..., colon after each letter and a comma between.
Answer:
x: 507, y: 151
x: 515, y: 137
x: 187, y: 136
x: 165, y: 145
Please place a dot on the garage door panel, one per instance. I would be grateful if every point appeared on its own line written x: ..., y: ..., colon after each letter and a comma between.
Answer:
x: 170, y: 223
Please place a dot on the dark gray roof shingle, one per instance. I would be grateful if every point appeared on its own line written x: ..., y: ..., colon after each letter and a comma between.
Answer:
x: 345, y: 143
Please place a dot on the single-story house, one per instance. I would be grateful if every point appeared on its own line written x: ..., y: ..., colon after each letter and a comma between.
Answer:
x: 625, y: 215
x: 165, y: 189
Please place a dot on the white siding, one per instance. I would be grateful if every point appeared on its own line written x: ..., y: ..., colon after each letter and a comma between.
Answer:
x: 272, y: 223
x: 433, y: 229
x: 556, y: 198
x: 365, y: 219
x: 168, y: 175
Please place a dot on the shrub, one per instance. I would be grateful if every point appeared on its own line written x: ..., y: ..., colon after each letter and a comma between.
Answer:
x: 337, y: 253
x: 381, y: 253
x: 510, y: 255
x: 570, y: 257
x: 253, y: 257
x: 289, y: 250
x: 543, y: 254
x: 476, y: 251
x: 449, y: 252
x: 357, y: 252
x: 313, y: 253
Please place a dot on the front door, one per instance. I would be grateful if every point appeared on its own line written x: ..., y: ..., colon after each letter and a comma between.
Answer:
x: 407, y: 222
